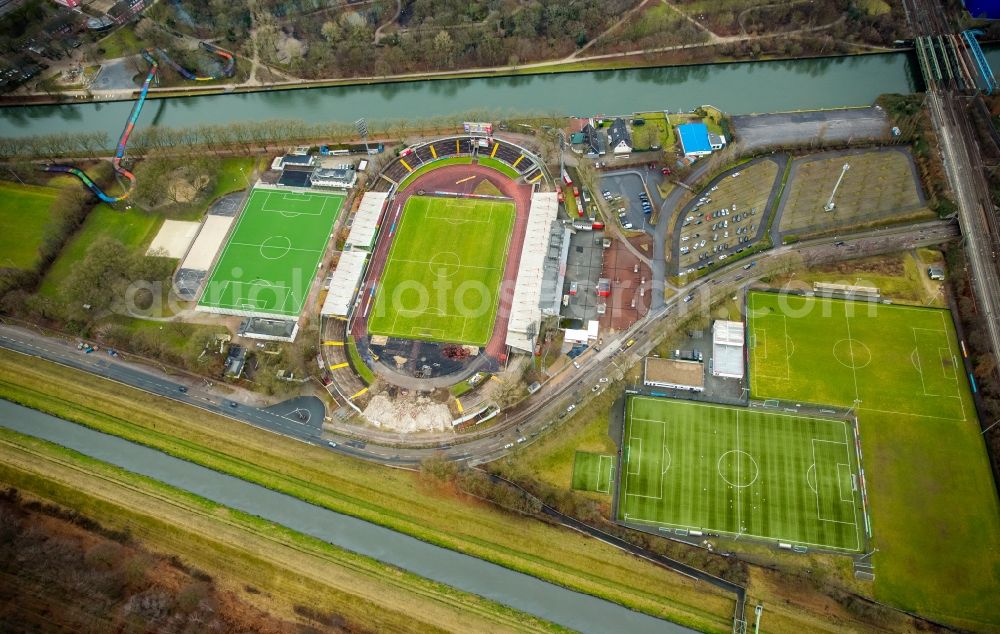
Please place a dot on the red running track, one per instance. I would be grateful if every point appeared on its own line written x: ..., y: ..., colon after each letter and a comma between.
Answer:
x: 444, y: 179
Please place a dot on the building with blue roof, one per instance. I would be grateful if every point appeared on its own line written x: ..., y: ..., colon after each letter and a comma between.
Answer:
x: 983, y: 9
x: 696, y: 140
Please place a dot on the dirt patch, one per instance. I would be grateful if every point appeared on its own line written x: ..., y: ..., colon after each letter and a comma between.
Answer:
x: 407, y: 415
x: 183, y: 191
x: 889, y: 266
x: 486, y: 188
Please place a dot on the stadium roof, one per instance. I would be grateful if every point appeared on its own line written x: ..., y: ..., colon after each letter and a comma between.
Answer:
x: 297, y: 159
x: 294, y: 176
x: 727, y: 349
x: 525, y: 313
x: 344, y: 285
x: 694, y: 138
x: 362, y: 234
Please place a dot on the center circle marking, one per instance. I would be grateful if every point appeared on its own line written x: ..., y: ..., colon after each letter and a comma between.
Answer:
x: 275, y: 248
x: 738, y: 468
x: 852, y: 353
x: 445, y: 264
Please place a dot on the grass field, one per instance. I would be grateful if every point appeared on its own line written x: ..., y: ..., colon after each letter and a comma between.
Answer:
x: 593, y: 472
x: 499, y: 166
x: 879, y: 186
x: 132, y: 227
x: 932, y: 501
x: 442, y: 278
x: 426, y: 167
x: 269, y: 262
x: 741, y: 472
x: 25, y: 211
x: 394, y: 498
x: 889, y: 359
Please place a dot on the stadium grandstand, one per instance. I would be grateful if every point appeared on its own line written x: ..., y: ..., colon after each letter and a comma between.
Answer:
x: 847, y: 291
x: 340, y: 374
x: 526, y: 314
x: 344, y: 284
x: 364, y: 226
x: 346, y: 359
x: 413, y: 158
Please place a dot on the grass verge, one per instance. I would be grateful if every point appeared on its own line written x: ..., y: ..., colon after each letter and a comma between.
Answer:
x: 360, y: 367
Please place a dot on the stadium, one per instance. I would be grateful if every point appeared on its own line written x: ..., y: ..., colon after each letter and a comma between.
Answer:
x: 440, y: 273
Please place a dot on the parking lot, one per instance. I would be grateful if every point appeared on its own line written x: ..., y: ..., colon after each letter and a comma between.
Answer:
x: 728, y: 216
x: 627, y: 188
x: 717, y: 389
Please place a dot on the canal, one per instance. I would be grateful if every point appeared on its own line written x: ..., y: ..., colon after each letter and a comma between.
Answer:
x: 737, y: 88
x: 570, y: 609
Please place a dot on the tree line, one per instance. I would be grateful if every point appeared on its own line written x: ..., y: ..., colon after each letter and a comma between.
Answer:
x: 242, y: 136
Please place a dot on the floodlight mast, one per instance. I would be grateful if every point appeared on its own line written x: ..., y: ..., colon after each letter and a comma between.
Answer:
x: 361, y: 125
x: 830, y: 204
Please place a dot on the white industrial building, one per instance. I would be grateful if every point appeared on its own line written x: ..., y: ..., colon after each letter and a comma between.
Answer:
x: 727, y: 349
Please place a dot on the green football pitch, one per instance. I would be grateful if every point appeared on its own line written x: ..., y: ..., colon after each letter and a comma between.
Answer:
x: 593, y: 472
x: 738, y: 472
x: 442, y: 278
x: 882, y: 358
x: 931, y: 498
x: 270, y: 260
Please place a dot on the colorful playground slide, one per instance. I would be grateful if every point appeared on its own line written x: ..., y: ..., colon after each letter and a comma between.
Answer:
x: 227, y: 71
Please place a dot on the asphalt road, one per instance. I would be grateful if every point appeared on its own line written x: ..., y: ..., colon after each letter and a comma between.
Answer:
x: 101, y: 364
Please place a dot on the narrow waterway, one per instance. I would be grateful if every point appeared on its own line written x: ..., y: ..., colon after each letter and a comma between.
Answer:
x: 736, y: 88
x: 548, y: 601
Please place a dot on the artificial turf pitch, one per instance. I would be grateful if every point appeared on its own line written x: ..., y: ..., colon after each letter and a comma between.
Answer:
x: 883, y: 358
x: 441, y: 281
x: 739, y: 472
x: 271, y: 257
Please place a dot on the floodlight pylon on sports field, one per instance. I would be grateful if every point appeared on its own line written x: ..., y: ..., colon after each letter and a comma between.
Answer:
x: 830, y: 205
